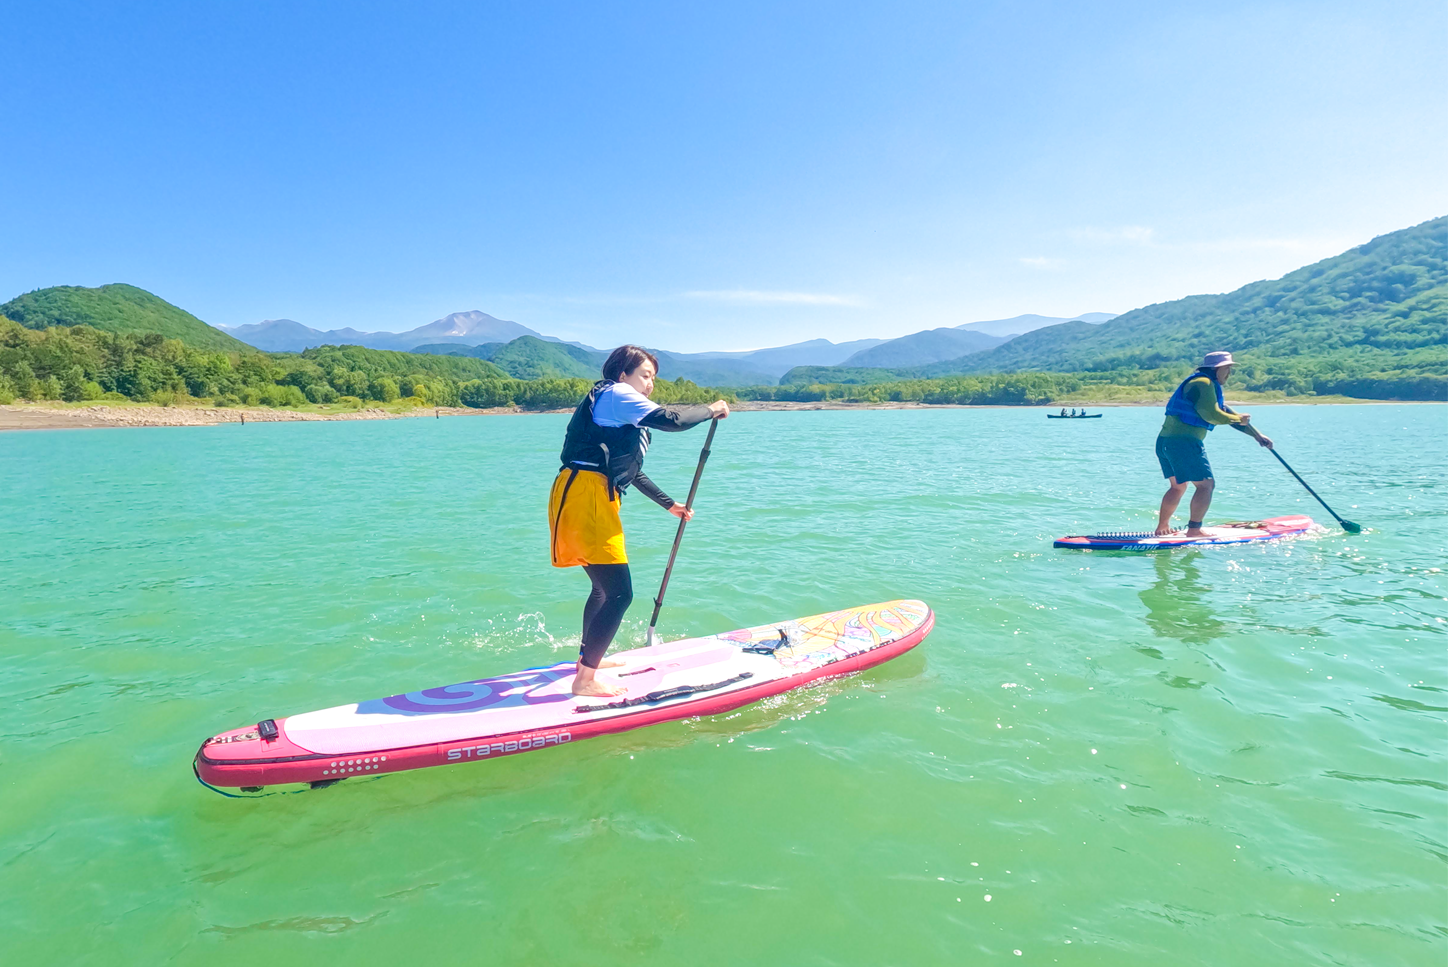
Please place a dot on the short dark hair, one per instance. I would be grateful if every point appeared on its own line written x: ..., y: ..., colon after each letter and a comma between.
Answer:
x: 626, y: 359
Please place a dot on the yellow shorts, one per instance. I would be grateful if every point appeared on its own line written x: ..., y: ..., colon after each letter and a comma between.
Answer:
x: 583, y: 524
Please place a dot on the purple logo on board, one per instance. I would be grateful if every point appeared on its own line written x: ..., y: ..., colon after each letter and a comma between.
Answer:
x: 481, y: 693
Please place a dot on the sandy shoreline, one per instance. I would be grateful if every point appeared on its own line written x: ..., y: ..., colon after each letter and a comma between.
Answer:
x: 42, y: 416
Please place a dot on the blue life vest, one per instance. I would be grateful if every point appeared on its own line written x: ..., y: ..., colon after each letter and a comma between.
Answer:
x: 1181, y: 407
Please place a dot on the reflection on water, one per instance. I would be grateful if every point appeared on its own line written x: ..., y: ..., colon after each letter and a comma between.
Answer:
x: 1176, y: 603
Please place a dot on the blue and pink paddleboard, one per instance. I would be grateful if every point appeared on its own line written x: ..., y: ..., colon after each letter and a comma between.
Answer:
x: 488, y: 718
x: 1241, y: 532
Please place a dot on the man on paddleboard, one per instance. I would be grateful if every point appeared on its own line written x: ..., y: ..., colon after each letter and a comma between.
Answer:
x: 603, y: 455
x: 1193, y: 410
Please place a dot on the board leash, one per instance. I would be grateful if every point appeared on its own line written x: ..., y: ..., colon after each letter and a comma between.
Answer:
x: 663, y: 694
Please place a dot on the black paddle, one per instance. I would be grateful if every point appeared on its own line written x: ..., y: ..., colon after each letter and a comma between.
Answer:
x: 653, y: 636
x: 1347, y: 525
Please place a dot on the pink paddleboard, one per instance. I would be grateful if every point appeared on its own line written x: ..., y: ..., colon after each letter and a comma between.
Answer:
x: 1242, y: 532
x: 534, y: 709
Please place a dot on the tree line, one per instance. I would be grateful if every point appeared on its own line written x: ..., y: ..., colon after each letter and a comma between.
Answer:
x: 76, y: 363
x: 1294, y: 376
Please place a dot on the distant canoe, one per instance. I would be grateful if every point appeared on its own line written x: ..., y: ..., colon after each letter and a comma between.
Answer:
x: 1058, y: 416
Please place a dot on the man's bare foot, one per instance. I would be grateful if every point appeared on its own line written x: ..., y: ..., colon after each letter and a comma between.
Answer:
x: 1196, y: 532
x: 1164, y: 530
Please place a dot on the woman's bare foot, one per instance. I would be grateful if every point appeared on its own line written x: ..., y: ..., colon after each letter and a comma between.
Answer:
x: 599, y: 688
x: 585, y: 683
x: 611, y: 663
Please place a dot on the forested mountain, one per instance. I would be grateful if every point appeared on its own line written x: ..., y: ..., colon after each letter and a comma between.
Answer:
x: 529, y: 357
x: 115, y: 308
x: 1382, y: 306
x: 1376, y: 314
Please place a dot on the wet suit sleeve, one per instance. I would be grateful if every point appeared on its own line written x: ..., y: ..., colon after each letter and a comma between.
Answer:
x: 651, y: 490
x: 1247, y: 428
x: 670, y: 419
x: 1202, y: 396
x: 678, y: 416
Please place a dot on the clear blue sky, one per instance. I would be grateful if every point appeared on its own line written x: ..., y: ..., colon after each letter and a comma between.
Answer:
x: 707, y: 176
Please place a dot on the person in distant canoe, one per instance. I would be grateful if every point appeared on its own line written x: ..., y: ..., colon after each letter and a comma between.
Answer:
x: 1194, y: 409
x: 603, y: 455
x: 1063, y: 411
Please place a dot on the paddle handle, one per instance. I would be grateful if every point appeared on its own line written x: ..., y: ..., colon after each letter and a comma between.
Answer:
x: 679, y: 535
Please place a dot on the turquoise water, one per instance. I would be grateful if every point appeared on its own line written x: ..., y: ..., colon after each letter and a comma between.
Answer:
x: 1232, y: 756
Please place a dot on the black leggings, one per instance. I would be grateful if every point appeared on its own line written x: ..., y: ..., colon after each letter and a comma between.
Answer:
x: 612, y: 594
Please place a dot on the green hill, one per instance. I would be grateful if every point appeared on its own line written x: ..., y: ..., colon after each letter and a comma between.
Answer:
x: 1373, y: 315
x: 116, y: 308
x: 1382, y: 306
x: 484, y: 351
x: 529, y: 357
x: 392, y: 363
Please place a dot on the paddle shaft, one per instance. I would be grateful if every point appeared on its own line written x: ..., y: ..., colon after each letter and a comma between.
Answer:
x: 1347, y: 525
x: 679, y: 535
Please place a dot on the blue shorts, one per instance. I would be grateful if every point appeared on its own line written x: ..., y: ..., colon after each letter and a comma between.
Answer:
x: 1183, y: 457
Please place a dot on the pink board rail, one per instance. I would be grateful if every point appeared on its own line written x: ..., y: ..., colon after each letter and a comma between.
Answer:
x: 526, y: 711
x: 1241, y: 532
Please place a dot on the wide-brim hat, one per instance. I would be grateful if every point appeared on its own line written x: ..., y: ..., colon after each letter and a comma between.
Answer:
x: 1213, y: 360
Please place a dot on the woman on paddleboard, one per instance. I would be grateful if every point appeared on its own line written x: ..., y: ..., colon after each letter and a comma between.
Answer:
x: 1193, y: 410
x: 603, y: 455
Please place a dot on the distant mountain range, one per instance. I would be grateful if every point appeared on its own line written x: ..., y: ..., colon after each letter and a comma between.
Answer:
x: 1019, y: 325
x: 521, y: 352
x: 534, y: 357
x: 921, y: 348
x: 482, y: 336
x: 460, y: 328
x: 1371, y: 322
x: 936, y: 345
x: 479, y: 335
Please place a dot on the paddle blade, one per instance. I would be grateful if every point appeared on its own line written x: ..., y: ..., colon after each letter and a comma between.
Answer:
x: 1351, y: 527
x: 652, y: 638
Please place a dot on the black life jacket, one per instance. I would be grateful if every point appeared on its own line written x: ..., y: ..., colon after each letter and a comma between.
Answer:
x: 617, y: 452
